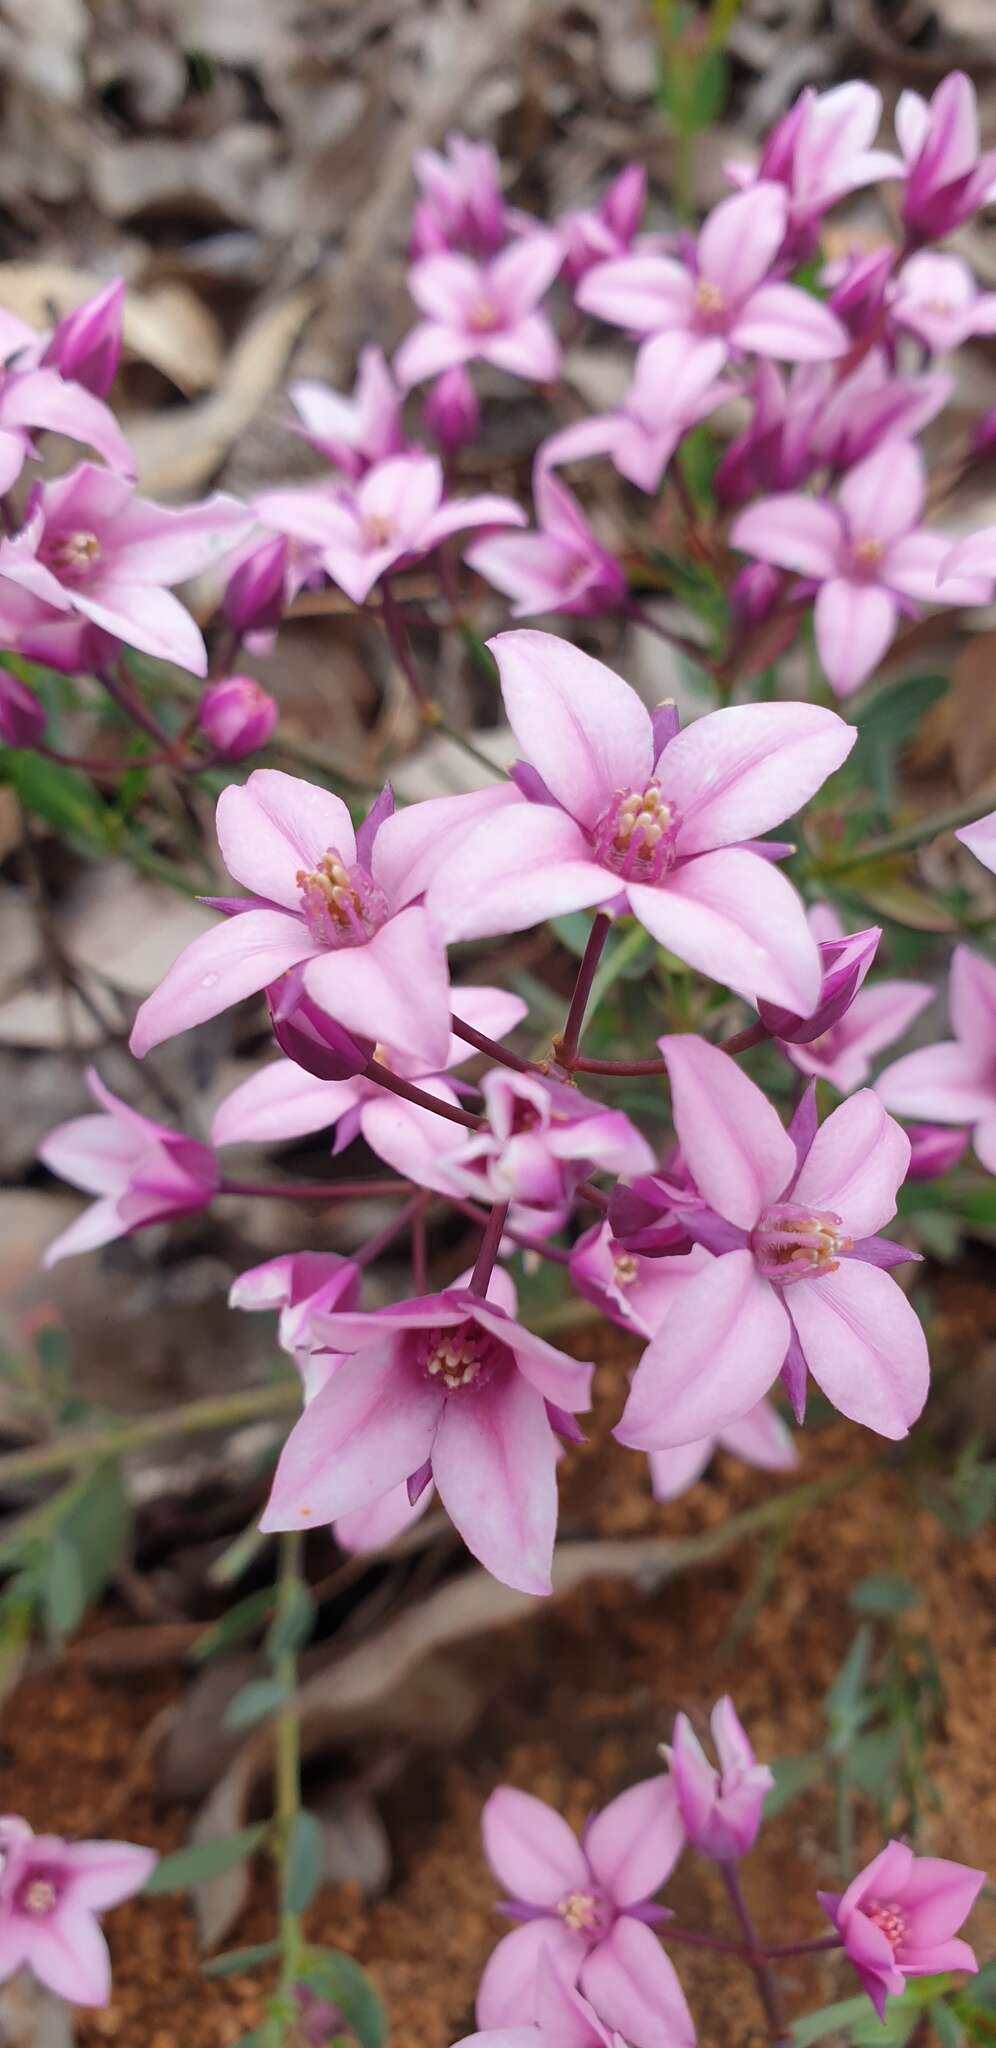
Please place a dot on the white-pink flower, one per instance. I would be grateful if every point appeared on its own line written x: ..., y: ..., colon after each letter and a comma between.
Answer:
x: 937, y: 298
x: 485, y: 312
x: 141, y: 1172
x: 559, y: 567
x: 51, y: 1892
x: 955, y: 1082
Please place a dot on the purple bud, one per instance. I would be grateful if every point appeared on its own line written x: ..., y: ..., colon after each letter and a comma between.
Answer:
x: 754, y: 592
x: 623, y: 203
x: 22, y: 717
x: 254, y: 593
x: 983, y: 436
x: 845, y: 963
x: 427, y: 237
x: 934, y: 1150
x: 308, y: 1036
x: 85, y: 347
x: 452, y: 413
x: 237, y: 717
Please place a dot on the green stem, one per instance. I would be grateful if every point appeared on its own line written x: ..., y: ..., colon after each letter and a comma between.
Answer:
x: 78, y: 1447
x: 967, y: 813
x: 287, y: 1756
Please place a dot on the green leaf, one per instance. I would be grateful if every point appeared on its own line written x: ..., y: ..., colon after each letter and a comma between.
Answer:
x: 844, y: 1701
x: 792, y: 1775
x: 255, y: 1702
x: 305, y: 1856
x: 237, y: 1960
x: 883, y: 1593
x: 62, y: 796
x: 293, y: 1622
x: 98, y: 1526
x: 829, y: 2019
x: 65, y: 1589
x: 870, y: 1762
x: 204, y: 1860
x: 339, y: 1980
x: 883, y: 886
x: 947, y: 2027
x: 241, y: 1621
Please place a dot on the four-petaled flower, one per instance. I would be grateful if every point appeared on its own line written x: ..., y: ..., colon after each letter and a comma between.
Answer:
x: 485, y: 312
x: 50, y: 1894
x: 899, y: 1919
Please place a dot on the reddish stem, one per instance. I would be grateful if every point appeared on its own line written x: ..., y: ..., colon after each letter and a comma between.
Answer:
x: 385, y: 1078
x: 579, y: 1065
x: 397, y: 633
x: 769, y: 1989
x: 488, y: 1249
x: 818, y: 1947
x: 382, y: 1238
x: 567, y: 1044
x: 752, y: 1034
x: 315, y: 1190
x: 554, y: 1252
x: 494, y: 1051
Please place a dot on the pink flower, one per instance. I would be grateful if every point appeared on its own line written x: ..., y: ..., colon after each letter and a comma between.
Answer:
x: 563, y: 2018
x: 933, y: 1150
x: 799, y: 1277
x: 866, y: 552
x: 973, y: 558
x: 140, y: 1171
x: 955, y: 1082
x: 675, y: 384
x: 462, y: 205
x: 812, y: 419
x: 446, y: 1387
x: 853, y: 1023
x: 612, y: 815
x: 23, y: 717
x: 452, y: 413
x: 237, y: 716
x: 898, y: 1919
x: 396, y: 513
x: 947, y: 179
x: 980, y: 839
x: 720, y: 1809
x: 85, y: 347
x: 759, y: 1438
x: 593, y: 234
x: 588, y: 1906
x: 342, y: 904
x: 723, y: 289
x: 353, y: 432
x: 50, y: 1894
x: 39, y: 398
x: 937, y: 299
x: 90, y: 548
x: 542, y: 1137
x: 561, y: 567
x: 821, y: 150
x: 483, y: 312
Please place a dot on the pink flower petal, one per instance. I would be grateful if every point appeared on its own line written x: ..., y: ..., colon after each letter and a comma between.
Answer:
x: 419, y: 1145
x: 882, y: 496
x: 645, y: 293
x: 673, y: 1471
x: 276, y: 824
x: 719, y: 1351
x: 218, y: 969
x: 525, y: 270
x: 280, y: 1101
x: 416, y: 842
x: 793, y: 532
x: 577, y: 722
x: 973, y: 1004
x: 783, y: 321
x: 531, y: 1849
x: 507, y: 1993
x: 732, y: 1139
x: 372, y: 1423
x: 857, y: 1161
x: 740, y: 239
x: 444, y: 287
x: 529, y: 349
x: 736, y: 772
x: 734, y: 917
x: 394, y: 989
x: 943, y: 1083
x: 429, y: 348
x: 374, y: 1527
x: 761, y: 1439
x: 98, y: 1225
x: 633, y: 1985
x: 635, y: 1842
x: 494, y: 1463
x: 67, y: 1951
x: 532, y: 863
x: 154, y: 621
x: 864, y: 1345
x: 937, y: 1896
x: 104, y: 1873
x: 980, y: 839
x: 855, y: 624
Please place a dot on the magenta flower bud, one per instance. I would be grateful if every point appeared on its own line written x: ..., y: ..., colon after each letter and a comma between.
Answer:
x: 452, y: 413
x: 845, y: 963
x: 22, y: 716
x: 85, y: 347
x: 899, y: 1919
x: 308, y: 1036
x: 754, y: 593
x: 624, y: 201
x: 721, y: 1809
x: 983, y: 436
x: 933, y: 1150
x: 237, y: 717
x: 947, y: 177
x: 254, y: 594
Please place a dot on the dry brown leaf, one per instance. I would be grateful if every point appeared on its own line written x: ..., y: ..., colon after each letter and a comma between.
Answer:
x: 180, y: 452
x: 218, y: 178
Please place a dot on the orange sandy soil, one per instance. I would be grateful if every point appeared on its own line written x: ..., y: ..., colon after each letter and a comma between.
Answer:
x: 577, y: 1699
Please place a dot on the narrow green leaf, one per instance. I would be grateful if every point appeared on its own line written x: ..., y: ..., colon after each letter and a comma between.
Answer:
x: 237, y: 1960
x: 305, y: 1855
x: 255, y: 1702
x: 204, y: 1860
x: 792, y: 1775
x: 829, y: 2019
x: 65, y: 1590
x: 63, y: 797
x: 844, y: 1696
x: 293, y: 1622
x: 883, y: 1593
x: 241, y: 1621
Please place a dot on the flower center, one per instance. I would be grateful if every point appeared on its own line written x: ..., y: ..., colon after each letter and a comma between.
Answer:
x: 867, y: 555
x: 790, y: 1243
x: 483, y: 316
x: 891, y: 1921
x: 341, y: 906
x: 73, y: 556
x: 585, y: 1912
x: 710, y: 304
x: 459, y: 1356
x: 624, y: 1269
x: 378, y: 530
x: 38, y: 1896
x: 636, y: 835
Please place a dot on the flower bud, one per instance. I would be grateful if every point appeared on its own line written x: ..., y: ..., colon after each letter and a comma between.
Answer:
x: 933, y: 1150
x: 754, y: 592
x: 721, y: 1809
x: 982, y: 440
x: 845, y: 963
x: 254, y: 593
x: 452, y: 413
x: 308, y: 1036
x: 237, y: 717
x: 22, y: 717
x: 85, y: 347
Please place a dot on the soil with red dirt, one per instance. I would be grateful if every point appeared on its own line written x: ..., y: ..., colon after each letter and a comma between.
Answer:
x: 577, y: 1698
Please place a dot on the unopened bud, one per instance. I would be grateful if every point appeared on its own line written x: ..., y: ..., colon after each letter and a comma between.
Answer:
x: 237, y: 716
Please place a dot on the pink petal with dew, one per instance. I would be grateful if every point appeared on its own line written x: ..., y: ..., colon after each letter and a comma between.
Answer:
x: 277, y: 824
x: 734, y: 917
x: 494, y: 1462
x: 578, y: 723
x: 531, y: 1849
x: 855, y: 625
x: 864, y: 1345
x: 719, y: 1351
x: 633, y: 1985
x: 736, y: 772
x: 372, y: 1424
x: 218, y: 969
x: 635, y: 1842
x: 858, y: 1160
x: 733, y: 1142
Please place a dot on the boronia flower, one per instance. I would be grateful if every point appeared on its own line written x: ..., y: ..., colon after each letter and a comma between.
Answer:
x: 50, y: 1894
x: 563, y: 2019
x: 675, y: 384
x: 446, y: 1387
x: 237, y: 716
x: 821, y: 150
x: 937, y: 298
x: 141, y: 1172
x: 343, y: 904
x: 947, y: 178
x: 899, y: 1919
x: 588, y: 1905
x: 720, y: 1809
x: 799, y: 1279
x: 855, y: 1020
x: 355, y: 432
x: 612, y: 813
x: 462, y: 205
x: 592, y: 234
x: 485, y: 312
x: 559, y: 567
x: 955, y: 1082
